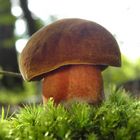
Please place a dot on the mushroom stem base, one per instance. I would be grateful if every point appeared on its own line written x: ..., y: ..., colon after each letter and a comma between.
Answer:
x: 74, y: 82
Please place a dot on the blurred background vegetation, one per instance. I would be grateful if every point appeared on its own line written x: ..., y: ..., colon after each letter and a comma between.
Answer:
x: 14, y: 90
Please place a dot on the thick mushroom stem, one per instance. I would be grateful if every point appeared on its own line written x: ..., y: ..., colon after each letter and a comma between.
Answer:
x: 74, y: 82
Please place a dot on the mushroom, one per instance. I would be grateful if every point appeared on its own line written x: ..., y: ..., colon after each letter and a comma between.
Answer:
x: 69, y: 56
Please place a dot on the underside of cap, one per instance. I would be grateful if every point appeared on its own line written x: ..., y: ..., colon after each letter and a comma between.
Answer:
x: 68, y: 42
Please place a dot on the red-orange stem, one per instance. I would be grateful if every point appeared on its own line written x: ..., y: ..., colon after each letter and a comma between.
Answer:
x: 75, y: 82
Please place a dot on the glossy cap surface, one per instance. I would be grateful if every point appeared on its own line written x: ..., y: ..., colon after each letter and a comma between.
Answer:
x: 65, y: 42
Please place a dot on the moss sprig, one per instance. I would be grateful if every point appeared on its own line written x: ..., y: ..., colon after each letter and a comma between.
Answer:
x: 117, y: 118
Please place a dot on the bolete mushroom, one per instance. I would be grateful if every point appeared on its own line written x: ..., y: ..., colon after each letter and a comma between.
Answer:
x: 69, y: 56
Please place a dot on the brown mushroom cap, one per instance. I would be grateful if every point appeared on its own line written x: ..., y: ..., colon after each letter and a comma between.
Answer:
x: 65, y: 42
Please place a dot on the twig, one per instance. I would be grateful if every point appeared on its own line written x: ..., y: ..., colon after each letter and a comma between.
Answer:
x: 9, y: 73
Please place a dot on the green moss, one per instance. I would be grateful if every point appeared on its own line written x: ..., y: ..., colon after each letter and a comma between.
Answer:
x: 117, y: 118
